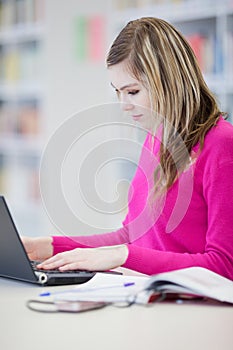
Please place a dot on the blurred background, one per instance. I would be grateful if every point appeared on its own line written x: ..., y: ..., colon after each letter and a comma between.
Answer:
x: 52, y: 65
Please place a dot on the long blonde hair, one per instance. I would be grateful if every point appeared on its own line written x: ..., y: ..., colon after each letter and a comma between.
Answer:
x: 162, y: 59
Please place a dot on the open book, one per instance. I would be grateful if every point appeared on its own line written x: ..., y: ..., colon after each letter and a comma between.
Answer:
x: 193, y: 281
x: 196, y: 281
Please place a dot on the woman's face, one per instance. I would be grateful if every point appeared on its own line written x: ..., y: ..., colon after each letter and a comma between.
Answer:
x: 131, y: 93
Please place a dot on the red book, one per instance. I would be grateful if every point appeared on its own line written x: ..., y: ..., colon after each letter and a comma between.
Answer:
x: 197, y: 42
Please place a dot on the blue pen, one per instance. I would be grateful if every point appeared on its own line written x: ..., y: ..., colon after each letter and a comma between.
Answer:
x: 91, y: 289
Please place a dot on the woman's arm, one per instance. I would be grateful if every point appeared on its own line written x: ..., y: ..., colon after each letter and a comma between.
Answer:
x: 42, y: 248
x: 66, y: 243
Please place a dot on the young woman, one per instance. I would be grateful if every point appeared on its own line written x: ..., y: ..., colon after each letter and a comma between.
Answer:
x: 180, y: 210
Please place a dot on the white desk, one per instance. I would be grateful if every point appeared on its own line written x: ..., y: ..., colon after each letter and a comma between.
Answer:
x: 160, y: 326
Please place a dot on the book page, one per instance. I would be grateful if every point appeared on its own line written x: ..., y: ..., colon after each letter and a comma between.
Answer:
x: 195, y: 280
x: 105, y: 287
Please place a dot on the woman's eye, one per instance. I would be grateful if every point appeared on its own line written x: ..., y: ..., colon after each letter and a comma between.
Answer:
x: 133, y: 92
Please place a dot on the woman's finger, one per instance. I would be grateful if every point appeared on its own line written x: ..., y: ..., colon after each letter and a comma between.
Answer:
x: 73, y: 266
x: 51, y: 263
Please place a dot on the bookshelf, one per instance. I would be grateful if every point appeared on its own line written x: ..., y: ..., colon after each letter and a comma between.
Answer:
x: 21, y: 103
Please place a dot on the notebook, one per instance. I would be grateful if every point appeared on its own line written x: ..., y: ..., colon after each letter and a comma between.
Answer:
x: 188, y: 284
x: 15, y: 264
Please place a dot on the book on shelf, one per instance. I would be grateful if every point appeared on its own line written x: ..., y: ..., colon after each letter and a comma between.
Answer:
x: 22, y: 120
x: 28, y: 121
x: 122, y: 5
x: 20, y: 12
x: 21, y: 64
x: 89, y: 38
x: 2, y: 172
x: 208, y: 51
x: 24, y: 187
x: 230, y: 53
x: 197, y: 42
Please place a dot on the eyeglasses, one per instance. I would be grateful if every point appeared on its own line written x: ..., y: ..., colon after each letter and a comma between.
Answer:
x: 82, y: 306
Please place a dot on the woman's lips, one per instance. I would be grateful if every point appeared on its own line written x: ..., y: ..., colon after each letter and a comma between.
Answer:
x: 137, y: 117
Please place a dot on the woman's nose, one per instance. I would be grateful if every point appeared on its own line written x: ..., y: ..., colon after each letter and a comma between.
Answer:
x: 125, y: 104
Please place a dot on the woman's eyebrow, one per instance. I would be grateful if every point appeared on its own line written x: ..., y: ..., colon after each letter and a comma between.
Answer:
x: 125, y: 86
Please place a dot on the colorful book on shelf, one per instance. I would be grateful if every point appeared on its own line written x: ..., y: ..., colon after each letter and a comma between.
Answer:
x: 23, y: 121
x: 96, y: 39
x: 89, y: 38
x: 28, y: 121
x: 21, y: 12
x: 208, y: 51
x: 197, y: 42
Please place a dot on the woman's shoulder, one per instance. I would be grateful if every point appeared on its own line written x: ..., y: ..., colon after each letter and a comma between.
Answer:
x: 223, y: 127
x: 220, y: 134
x: 218, y: 141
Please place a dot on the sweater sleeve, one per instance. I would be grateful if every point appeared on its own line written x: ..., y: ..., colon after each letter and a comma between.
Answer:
x: 218, y: 254
x: 64, y: 243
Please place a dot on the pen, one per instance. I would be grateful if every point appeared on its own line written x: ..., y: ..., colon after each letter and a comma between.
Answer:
x: 91, y: 289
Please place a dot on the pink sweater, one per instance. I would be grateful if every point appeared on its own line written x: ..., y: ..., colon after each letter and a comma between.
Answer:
x: 192, y: 226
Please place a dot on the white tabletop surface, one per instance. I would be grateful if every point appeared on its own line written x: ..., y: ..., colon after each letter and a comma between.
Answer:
x: 159, y: 326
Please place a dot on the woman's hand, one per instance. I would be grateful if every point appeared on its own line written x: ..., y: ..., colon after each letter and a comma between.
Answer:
x: 100, y: 259
x: 39, y: 248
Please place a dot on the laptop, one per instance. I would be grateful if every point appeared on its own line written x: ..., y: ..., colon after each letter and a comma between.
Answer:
x: 15, y: 264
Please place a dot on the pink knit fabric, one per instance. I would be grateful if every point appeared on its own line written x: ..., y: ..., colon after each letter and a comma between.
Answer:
x: 191, y: 226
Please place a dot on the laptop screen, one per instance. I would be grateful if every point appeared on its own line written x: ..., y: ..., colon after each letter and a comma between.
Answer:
x: 14, y: 262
